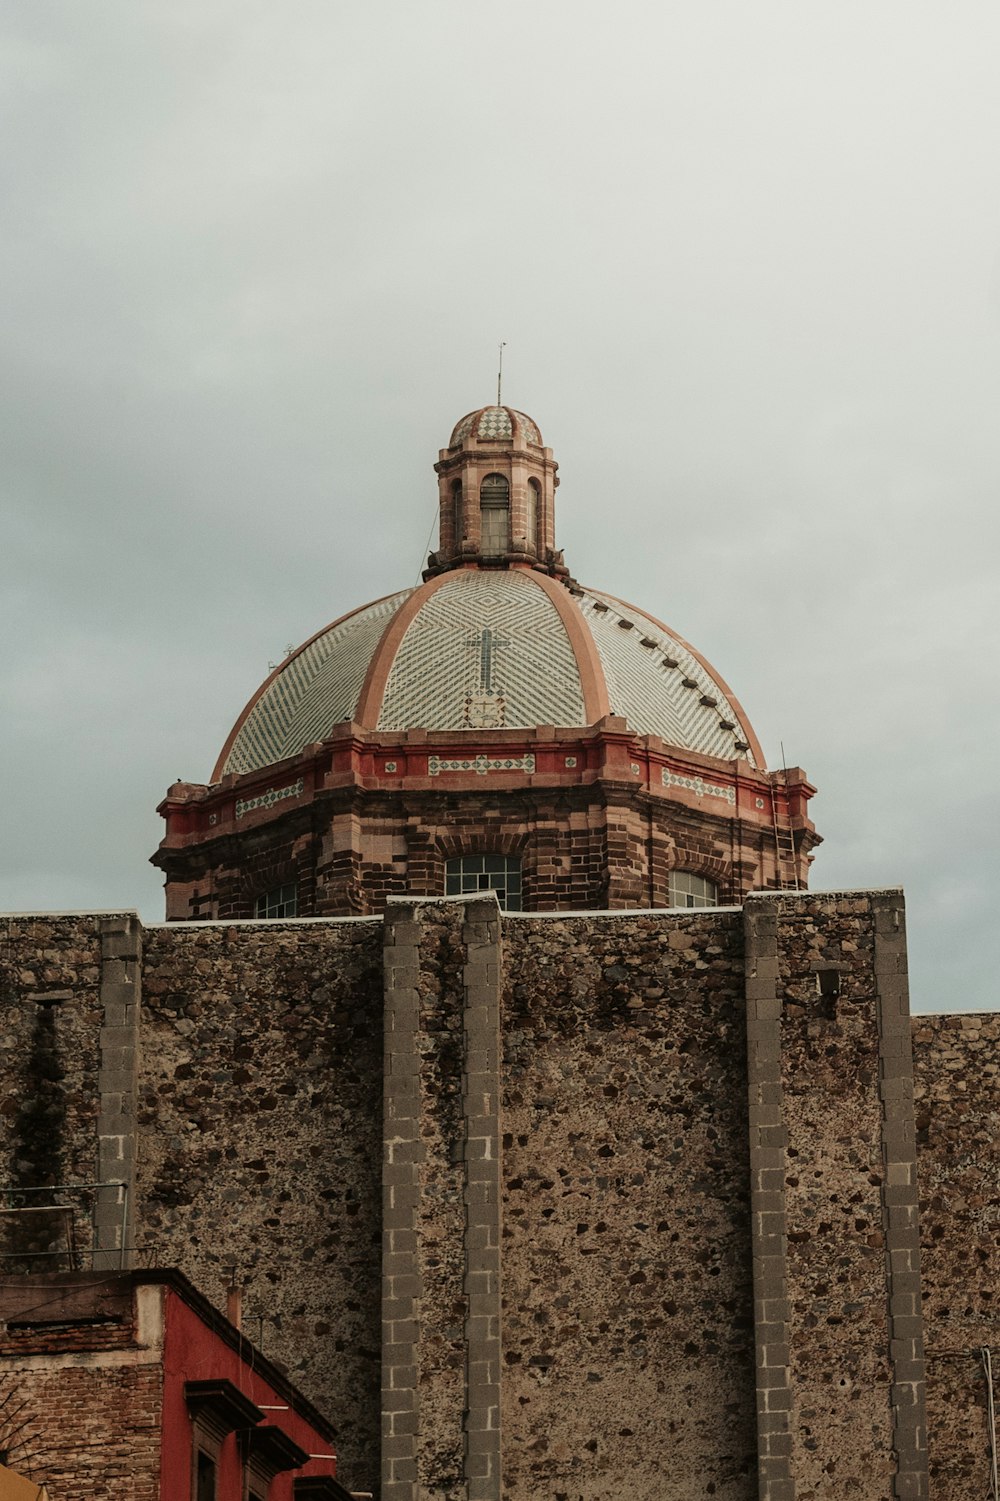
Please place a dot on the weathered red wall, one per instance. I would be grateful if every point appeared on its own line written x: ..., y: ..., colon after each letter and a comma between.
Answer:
x: 193, y: 1352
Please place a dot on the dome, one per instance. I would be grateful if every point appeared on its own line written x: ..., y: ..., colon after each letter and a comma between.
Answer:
x: 499, y: 726
x: 481, y: 649
x: 496, y: 424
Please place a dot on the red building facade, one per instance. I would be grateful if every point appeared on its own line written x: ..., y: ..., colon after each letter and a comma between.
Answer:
x: 500, y: 725
x: 130, y: 1385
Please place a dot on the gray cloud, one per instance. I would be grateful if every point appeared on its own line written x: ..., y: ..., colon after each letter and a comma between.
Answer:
x: 255, y: 263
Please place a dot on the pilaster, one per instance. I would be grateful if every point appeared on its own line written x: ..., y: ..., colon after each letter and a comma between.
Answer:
x: 441, y: 1200
x: 120, y: 994
x: 838, y: 1328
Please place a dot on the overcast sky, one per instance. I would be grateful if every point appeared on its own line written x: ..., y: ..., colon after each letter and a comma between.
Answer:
x: 255, y: 262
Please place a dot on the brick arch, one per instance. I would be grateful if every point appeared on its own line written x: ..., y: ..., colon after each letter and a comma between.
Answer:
x: 710, y: 867
x: 267, y: 876
x: 454, y: 846
x: 481, y: 840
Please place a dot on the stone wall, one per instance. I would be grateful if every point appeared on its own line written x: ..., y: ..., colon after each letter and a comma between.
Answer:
x: 695, y: 1150
x: 260, y: 1131
x: 628, y: 1315
x: 836, y: 1263
x: 957, y: 1089
x: 51, y: 1014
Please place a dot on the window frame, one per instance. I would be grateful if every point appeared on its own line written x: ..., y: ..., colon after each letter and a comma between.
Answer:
x: 462, y: 878
x: 276, y: 899
x: 494, y: 501
x: 687, y: 886
x: 204, y: 1445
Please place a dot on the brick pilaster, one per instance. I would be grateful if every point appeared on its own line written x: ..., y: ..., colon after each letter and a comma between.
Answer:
x: 120, y: 991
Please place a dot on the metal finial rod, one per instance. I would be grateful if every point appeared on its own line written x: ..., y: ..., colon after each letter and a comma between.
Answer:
x: 500, y: 371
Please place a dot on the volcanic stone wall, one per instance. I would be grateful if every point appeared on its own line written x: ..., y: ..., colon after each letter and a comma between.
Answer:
x: 51, y: 1014
x: 260, y: 1130
x: 694, y: 1148
x: 628, y: 1318
x: 834, y: 1200
x: 957, y: 1088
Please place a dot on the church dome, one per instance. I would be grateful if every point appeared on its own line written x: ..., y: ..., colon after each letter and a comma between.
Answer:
x: 483, y: 649
x: 498, y: 727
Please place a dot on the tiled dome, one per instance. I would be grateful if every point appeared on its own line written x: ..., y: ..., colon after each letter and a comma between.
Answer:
x: 491, y: 649
x: 496, y: 424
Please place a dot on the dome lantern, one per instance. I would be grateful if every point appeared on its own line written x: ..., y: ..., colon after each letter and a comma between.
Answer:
x: 496, y: 486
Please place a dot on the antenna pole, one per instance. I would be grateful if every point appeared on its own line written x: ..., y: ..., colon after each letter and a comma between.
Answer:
x: 500, y: 371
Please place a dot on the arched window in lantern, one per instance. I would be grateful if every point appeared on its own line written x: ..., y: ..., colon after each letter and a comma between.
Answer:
x: 494, y: 506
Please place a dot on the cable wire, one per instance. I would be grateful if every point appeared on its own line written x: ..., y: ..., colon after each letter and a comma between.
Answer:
x: 991, y: 1418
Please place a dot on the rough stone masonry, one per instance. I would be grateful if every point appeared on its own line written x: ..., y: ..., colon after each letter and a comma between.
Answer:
x: 577, y: 1206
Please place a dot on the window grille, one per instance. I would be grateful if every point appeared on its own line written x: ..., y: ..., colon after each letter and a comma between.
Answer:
x: 499, y: 873
x: 494, y: 507
x: 688, y: 890
x: 282, y: 901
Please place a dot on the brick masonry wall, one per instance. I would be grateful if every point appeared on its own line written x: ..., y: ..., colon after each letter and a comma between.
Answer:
x: 224, y: 878
x: 608, y: 844
x: 87, y: 1430
x: 628, y: 1339
x: 260, y: 1121
x: 957, y: 1101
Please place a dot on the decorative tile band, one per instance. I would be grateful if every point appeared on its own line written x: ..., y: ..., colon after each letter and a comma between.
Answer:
x: 269, y: 798
x: 481, y: 764
x: 698, y: 787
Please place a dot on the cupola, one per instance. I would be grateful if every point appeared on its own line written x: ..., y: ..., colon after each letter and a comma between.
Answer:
x: 496, y: 485
x: 499, y: 726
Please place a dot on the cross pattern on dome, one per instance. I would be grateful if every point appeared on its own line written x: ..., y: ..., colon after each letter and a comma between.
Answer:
x: 540, y: 678
x: 484, y: 708
x: 487, y: 641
